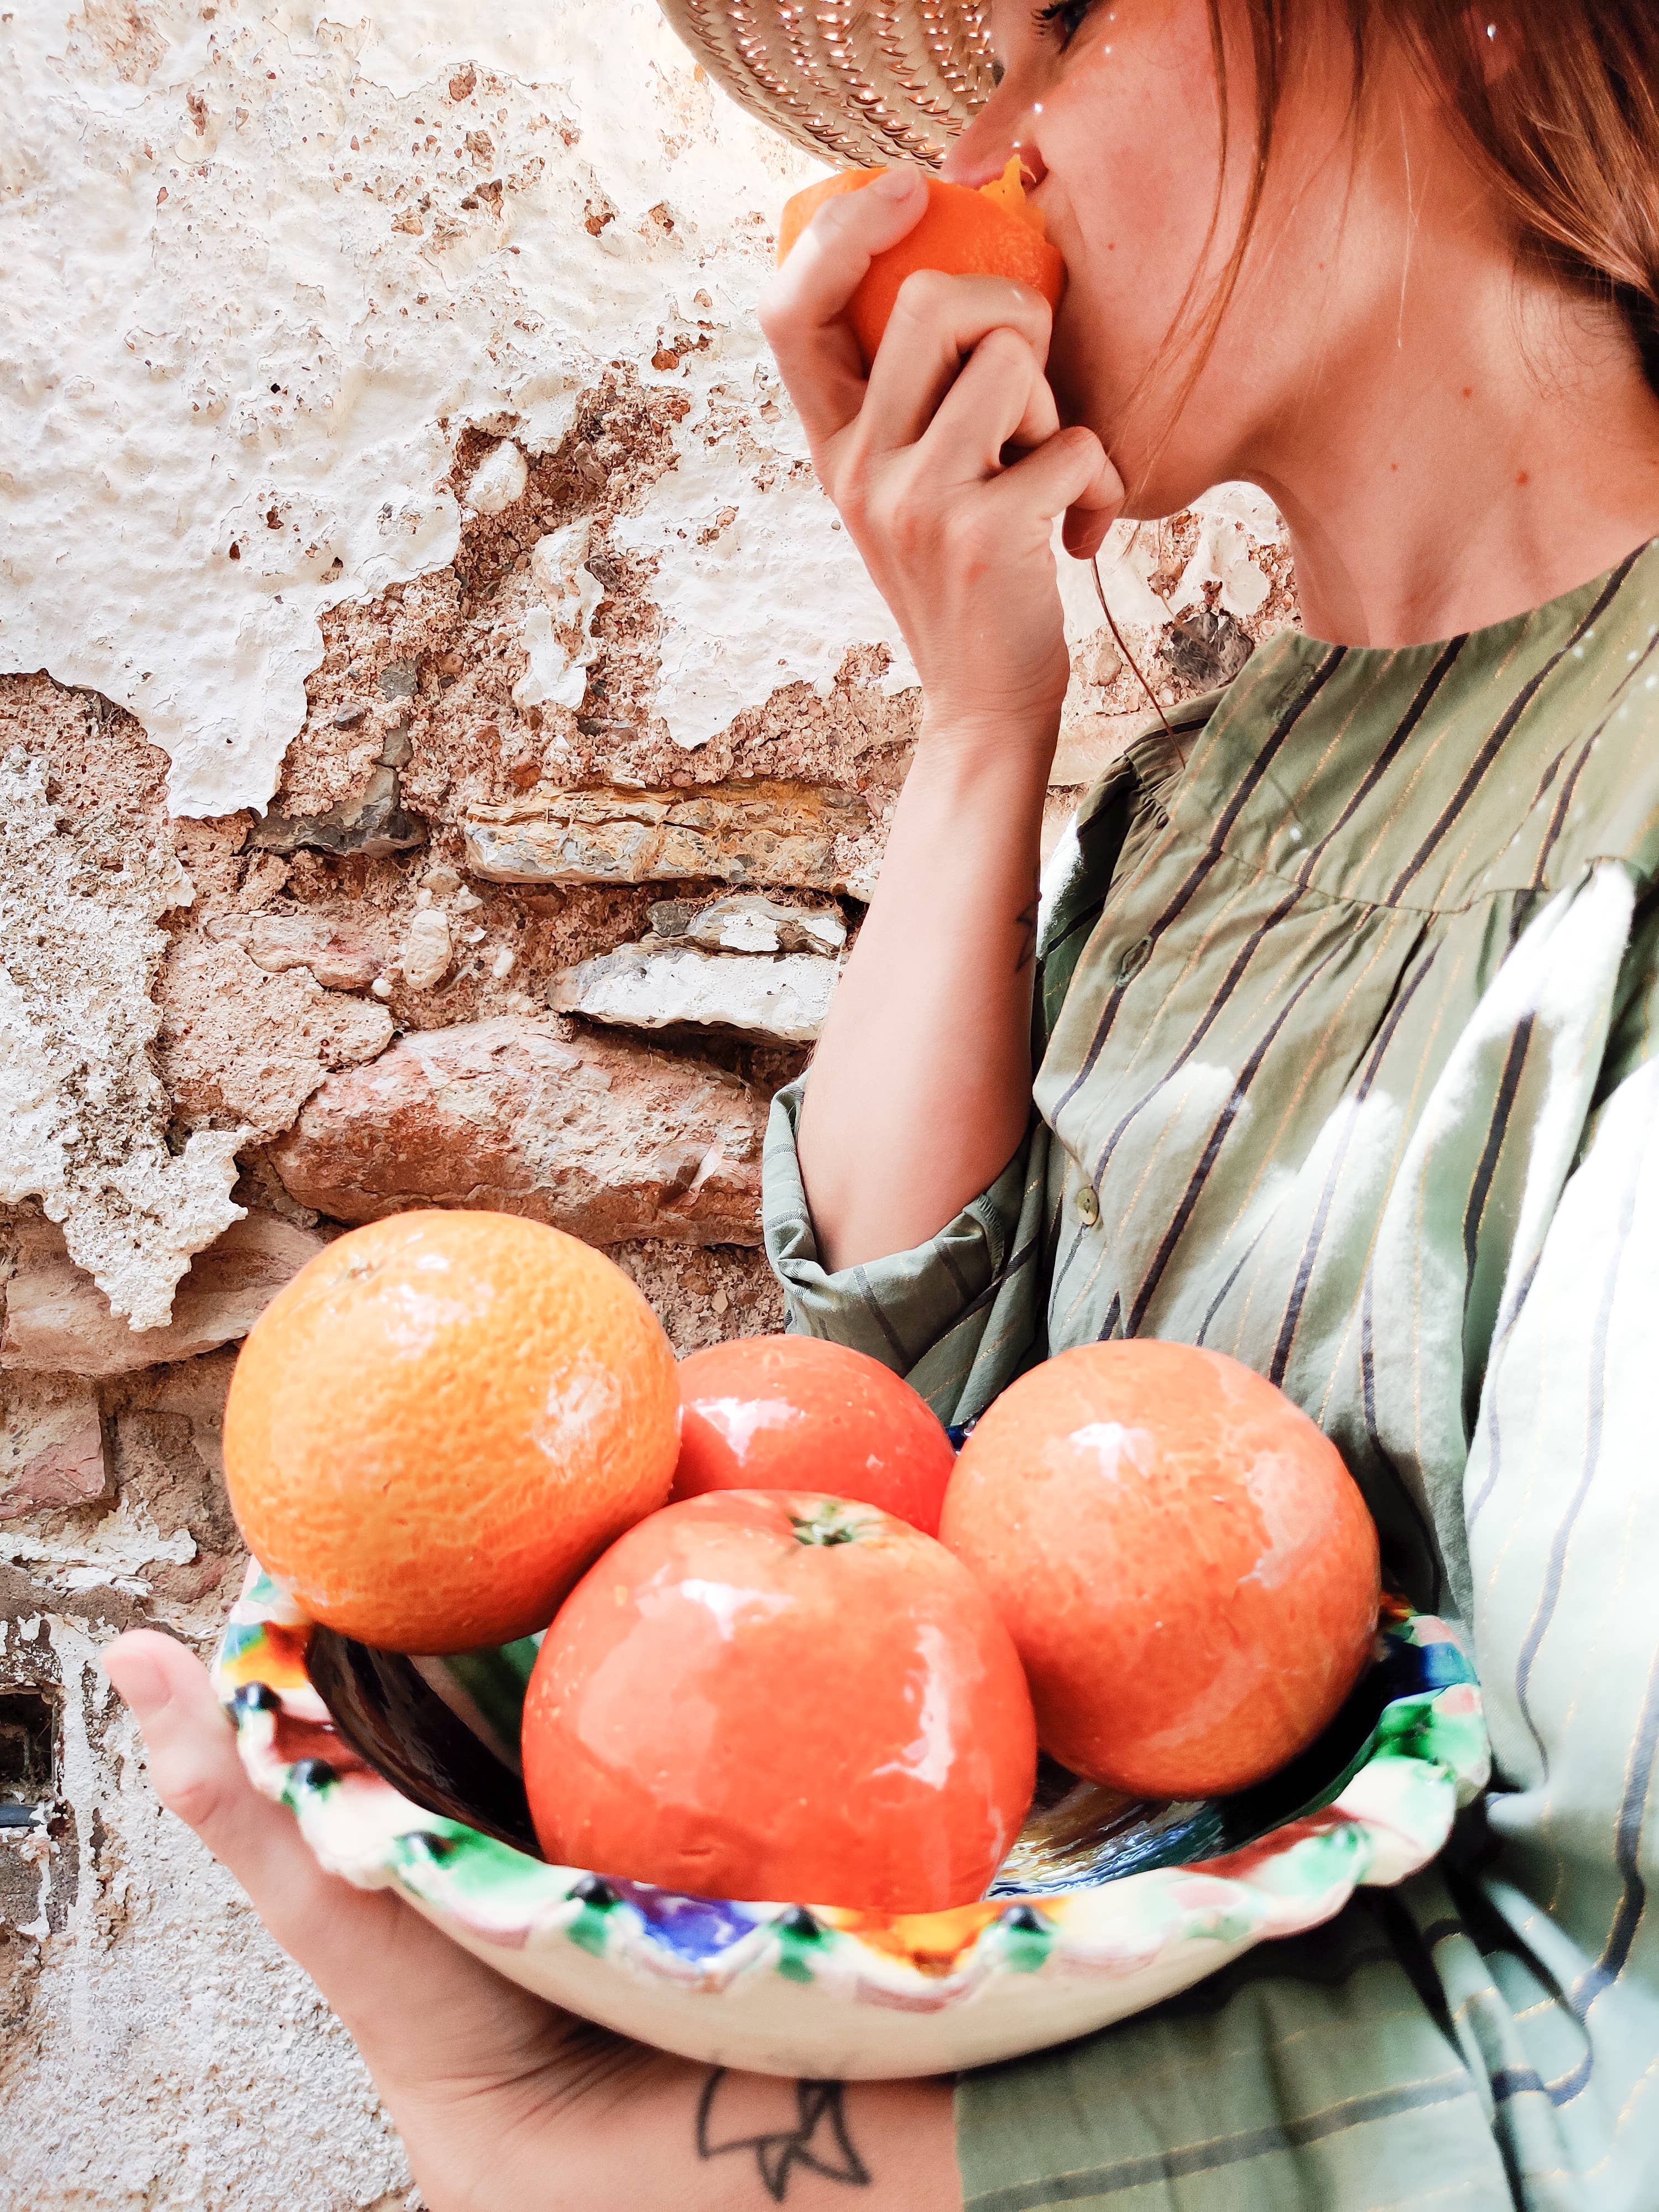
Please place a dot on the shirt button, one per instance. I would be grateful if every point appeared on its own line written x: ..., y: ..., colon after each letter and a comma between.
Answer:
x: 1134, y: 960
x: 1087, y: 1205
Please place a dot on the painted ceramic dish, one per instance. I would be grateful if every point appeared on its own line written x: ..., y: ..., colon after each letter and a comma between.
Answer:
x: 1102, y: 1908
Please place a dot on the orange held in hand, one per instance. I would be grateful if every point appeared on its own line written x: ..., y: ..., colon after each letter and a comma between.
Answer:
x: 1184, y: 1562
x: 780, y: 1697
x: 994, y: 231
x: 436, y: 1426
x: 794, y: 1413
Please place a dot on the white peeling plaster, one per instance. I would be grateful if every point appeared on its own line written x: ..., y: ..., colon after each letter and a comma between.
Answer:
x: 757, y: 582
x: 228, y: 326
x: 83, y: 1111
x: 99, y: 1550
x: 1232, y: 519
x: 498, y: 480
x: 558, y: 634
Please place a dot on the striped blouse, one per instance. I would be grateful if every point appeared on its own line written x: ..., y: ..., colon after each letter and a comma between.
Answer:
x: 1348, y: 1008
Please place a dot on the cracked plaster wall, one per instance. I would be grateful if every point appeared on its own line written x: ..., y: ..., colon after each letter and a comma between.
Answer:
x: 387, y: 448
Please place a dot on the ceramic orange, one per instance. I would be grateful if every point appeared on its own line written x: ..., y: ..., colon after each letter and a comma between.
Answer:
x: 993, y: 231
x: 441, y: 1420
x: 765, y: 1693
x: 795, y: 1413
x: 1182, y: 1560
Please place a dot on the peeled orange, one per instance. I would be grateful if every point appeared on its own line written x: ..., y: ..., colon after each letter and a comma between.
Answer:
x: 993, y: 231
x: 438, y: 1425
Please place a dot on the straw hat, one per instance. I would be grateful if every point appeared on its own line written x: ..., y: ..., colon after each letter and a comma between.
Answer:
x: 851, y: 81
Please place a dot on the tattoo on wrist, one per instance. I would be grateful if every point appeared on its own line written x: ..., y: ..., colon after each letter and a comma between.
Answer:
x: 818, y: 2141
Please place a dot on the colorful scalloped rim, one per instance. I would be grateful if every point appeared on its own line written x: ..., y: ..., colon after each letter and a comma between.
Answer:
x: 1430, y: 1756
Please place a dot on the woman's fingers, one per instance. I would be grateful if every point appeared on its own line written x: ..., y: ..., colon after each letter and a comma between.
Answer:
x: 420, y: 2008
x: 1091, y: 514
x: 802, y: 309
x: 197, y: 1774
x: 937, y: 324
x: 1001, y: 399
x: 332, y: 1929
x: 1070, y: 475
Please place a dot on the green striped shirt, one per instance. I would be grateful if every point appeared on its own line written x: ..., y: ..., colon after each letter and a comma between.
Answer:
x: 1347, y: 1012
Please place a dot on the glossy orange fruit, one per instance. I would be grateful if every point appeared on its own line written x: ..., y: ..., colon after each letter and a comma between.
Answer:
x: 793, y: 1413
x: 769, y: 1695
x: 993, y: 231
x: 441, y: 1420
x: 1182, y: 1560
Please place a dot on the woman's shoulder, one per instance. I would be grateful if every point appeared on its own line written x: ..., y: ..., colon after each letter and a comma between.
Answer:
x: 1603, y: 802
x: 1503, y: 765
x: 1435, y: 776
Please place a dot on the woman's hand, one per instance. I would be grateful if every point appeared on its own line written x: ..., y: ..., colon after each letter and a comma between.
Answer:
x: 949, y: 466
x: 504, y: 2103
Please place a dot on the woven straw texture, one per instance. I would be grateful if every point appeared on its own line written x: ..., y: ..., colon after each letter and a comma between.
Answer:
x: 851, y: 80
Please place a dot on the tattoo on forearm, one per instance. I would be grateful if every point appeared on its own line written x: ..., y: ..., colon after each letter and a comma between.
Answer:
x: 1026, y: 922
x: 818, y: 2141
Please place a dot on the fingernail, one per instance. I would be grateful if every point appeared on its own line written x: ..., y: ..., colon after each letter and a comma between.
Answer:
x: 139, y: 1682
x: 895, y: 184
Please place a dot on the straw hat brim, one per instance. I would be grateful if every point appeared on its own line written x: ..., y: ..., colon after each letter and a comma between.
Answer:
x: 858, y: 81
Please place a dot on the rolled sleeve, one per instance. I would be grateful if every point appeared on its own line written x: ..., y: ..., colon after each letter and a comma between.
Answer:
x: 958, y: 1316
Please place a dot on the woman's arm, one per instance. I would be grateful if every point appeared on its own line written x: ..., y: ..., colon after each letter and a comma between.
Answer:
x: 920, y: 1087
x: 950, y: 468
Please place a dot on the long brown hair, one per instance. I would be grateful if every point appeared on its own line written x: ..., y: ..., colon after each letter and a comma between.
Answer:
x: 1568, y: 129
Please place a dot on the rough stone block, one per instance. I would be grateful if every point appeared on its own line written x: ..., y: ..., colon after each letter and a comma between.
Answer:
x: 749, y: 921
x: 241, y: 1045
x: 610, y: 1140
x: 429, y: 949
x: 376, y: 824
x: 338, y: 958
x: 58, y: 1322
x: 85, y: 1116
x: 759, y: 833
x: 783, y: 999
x: 51, y: 1444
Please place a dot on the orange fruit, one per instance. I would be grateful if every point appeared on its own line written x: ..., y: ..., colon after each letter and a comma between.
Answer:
x: 796, y: 1413
x: 993, y: 231
x: 1185, y: 1564
x: 776, y: 1694
x: 442, y: 1421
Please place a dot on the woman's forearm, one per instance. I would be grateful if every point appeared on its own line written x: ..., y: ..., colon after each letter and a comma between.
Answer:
x: 951, y: 470
x: 919, y: 1090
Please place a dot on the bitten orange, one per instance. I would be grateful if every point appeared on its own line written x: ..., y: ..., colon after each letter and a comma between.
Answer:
x: 1184, y: 1563
x: 993, y: 231
x: 442, y: 1421
x: 795, y: 1413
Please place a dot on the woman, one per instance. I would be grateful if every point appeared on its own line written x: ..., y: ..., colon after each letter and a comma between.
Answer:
x: 1343, y: 1063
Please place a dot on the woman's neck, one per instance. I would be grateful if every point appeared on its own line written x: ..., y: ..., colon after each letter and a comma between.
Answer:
x: 1491, y: 454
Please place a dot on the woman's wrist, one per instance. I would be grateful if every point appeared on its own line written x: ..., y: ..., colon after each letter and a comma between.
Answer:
x: 1014, y: 747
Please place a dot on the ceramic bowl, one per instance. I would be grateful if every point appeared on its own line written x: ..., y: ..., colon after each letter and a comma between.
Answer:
x: 1104, y: 1906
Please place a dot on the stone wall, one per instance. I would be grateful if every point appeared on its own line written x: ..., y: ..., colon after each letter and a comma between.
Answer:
x: 446, y: 740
